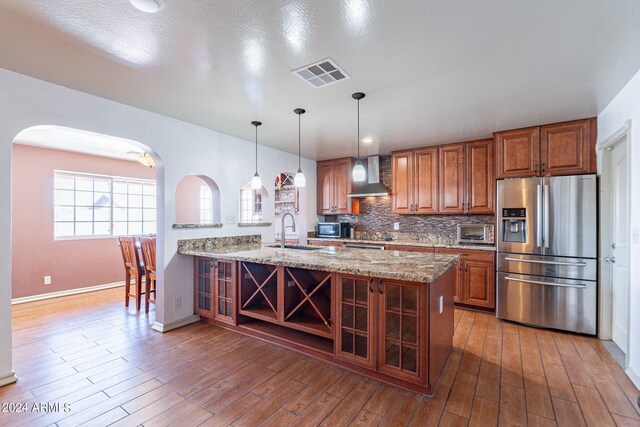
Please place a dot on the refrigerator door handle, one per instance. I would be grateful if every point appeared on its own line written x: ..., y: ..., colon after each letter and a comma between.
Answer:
x: 536, y: 282
x: 533, y: 261
x: 546, y: 216
x: 539, y: 216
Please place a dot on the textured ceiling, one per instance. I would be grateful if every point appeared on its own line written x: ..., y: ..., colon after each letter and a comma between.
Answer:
x: 433, y: 71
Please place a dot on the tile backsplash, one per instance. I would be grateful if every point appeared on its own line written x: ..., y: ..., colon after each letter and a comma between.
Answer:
x: 376, y: 217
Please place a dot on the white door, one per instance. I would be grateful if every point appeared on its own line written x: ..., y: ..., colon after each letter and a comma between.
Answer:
x: 619, y: 250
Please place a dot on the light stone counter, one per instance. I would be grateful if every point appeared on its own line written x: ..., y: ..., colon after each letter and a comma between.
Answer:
x: 395, y: 265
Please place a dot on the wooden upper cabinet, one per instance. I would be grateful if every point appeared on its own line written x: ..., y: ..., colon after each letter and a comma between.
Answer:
x: 342, y: 187
x: 452, y: 178
x: 426, y: 181
x: 334, y: 185
x: 518, y: 152
x: 567, y: 148
x: 325, y: 188
x: 402, y: 182
x: 481, y: 181
x: 449, y: 179
x: 558, y: 149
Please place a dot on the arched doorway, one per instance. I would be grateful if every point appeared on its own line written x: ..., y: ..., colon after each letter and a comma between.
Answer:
x: 73, y: 193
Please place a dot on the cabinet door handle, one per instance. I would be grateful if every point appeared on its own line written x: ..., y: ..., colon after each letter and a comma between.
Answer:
x: 543, y: 167
x: 537, y: 167
x: 380, y: 286
x: 370, y: 285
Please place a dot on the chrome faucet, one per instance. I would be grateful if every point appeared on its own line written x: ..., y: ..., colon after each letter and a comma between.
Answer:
x: 284, y: 229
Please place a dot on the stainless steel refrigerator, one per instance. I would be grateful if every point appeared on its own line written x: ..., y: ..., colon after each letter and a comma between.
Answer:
x: 547, y: 250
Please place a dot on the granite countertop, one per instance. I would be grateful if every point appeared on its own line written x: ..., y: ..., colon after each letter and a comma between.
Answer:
x: 408, y: 243
x: 409, y: 266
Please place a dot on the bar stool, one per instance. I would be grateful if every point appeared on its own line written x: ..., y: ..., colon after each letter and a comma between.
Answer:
x: 149, y: 255
x: 133, y: 267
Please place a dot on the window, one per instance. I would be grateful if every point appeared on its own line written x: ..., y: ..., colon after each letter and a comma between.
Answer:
x: 94, y: 205
x: 206, y: 205
x: 250, y: 205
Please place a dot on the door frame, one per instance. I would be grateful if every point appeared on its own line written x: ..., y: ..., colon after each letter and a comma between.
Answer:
x: 603, y: 149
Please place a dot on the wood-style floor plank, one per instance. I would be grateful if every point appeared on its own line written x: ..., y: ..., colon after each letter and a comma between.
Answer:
x: 112, y: 368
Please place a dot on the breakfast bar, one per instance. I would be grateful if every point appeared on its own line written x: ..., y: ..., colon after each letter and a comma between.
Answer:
x: 386, y: 314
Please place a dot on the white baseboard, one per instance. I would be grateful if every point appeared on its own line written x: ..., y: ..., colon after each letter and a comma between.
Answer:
x: 634, y: 377
x: 166, y: 327
x: 9, y: 378
x: 66, y: 293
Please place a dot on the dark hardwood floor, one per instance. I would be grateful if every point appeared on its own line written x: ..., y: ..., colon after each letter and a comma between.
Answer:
x: 88, y: 351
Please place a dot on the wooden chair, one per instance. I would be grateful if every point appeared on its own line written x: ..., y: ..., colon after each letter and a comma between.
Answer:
x: 133, y: 267
x: 149, y: 255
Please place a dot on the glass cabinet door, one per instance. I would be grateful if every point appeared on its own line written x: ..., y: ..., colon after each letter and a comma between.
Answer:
x: 400, y: 348
x: 204, y: 287
x: 354, y: 334
x: 224, y: 290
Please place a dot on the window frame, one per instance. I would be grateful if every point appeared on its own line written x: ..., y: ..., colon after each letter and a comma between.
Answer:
x: 112, y: 179
x: 253, y: 203
x: 206, y: 204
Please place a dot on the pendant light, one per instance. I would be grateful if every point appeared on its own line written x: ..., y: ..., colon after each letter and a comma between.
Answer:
x: 358, y: 173
x: 256, y: 182
x: 299, y: 179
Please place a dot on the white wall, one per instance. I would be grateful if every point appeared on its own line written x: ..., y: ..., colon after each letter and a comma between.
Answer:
x: 626, y: 106
x: 183, y: 148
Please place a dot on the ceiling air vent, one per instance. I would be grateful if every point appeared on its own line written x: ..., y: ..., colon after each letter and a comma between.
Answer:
x: 321, y: 73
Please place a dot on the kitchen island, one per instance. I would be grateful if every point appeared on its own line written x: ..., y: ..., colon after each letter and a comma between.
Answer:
x: 388, y: 315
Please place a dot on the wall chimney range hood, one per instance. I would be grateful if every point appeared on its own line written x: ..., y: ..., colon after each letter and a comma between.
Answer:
x: 373, y: 187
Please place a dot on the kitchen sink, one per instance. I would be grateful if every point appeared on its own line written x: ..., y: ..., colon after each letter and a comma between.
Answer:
x: 299, y: 247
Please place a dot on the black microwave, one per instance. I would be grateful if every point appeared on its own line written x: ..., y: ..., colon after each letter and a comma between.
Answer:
x: 334, y: 230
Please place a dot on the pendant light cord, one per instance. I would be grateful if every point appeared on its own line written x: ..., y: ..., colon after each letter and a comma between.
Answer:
x: 256, y: 149
x: 299, y: 142
x: 358, y: 130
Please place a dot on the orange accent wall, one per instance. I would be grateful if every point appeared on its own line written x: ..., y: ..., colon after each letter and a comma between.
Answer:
x: 70, y: 263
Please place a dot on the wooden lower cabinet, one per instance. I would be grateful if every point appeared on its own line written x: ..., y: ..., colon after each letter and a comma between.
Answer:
x: 215, y: 289
x: 401, y: 346
x: 399, y: 332
x: 203, y: 298
x: 407, y: 248
x: 225, y: 291
x: 475, y: 283
x: 479, y: 283
x: 356, y: 306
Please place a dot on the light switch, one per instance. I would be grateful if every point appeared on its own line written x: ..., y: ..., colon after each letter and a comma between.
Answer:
x: 396, y: 226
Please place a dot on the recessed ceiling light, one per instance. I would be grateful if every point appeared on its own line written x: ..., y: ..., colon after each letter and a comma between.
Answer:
x: 367, y: 140
x: 148, y: 6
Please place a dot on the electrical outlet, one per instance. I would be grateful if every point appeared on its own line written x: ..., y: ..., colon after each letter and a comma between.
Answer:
x: 396, y: 226
x: 291, y: 284
x: 441, y: 304
x: 177, y: 303
x: 230, y: 219
x: 47, y: 280
x: 396, y: 253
